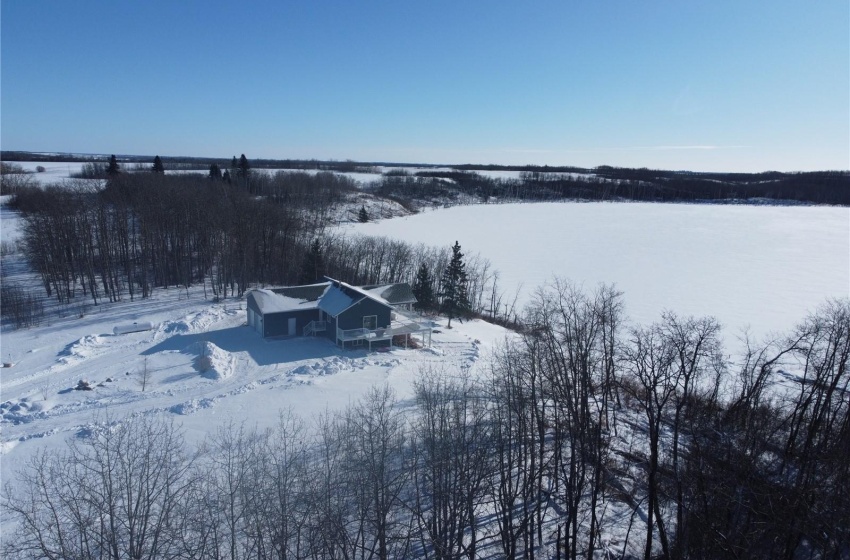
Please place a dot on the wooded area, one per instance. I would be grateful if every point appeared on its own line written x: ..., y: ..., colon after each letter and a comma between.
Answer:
x: 608, y: 183
x: 148, y: 230
x: 584, y: 436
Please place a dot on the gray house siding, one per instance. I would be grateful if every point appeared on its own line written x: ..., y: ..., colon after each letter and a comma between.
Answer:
x: 277, y: 324
x: 252, y: 304
x: 254, y: 315
x: 352, y: 318
x: 331, y: 330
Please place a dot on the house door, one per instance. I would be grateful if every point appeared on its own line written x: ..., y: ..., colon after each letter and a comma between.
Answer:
x: 292, y: 326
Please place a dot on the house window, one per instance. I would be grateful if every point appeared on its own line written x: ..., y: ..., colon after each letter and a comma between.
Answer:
x: 370, y: 322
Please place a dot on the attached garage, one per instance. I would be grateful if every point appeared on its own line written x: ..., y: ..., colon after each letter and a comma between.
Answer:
x: 283, y: 312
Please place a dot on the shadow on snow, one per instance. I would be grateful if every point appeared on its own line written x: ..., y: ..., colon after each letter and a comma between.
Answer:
x: 263, y: 352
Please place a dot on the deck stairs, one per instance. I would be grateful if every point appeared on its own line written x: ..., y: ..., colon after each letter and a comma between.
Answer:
x: 314, y: 327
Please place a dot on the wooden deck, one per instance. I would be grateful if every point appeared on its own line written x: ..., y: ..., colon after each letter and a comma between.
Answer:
x: 385, y: 334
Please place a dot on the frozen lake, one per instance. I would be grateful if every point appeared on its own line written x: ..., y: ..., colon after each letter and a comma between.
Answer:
x: 759, y: 266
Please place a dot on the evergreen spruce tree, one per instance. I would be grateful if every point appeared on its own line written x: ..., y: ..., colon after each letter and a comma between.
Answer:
x: 243, y: 172
x: 226, y: 177
x: 244, y: 167
x: 455, y: 299
x: 363, y: 216
x: 423, y: 289
x: 157, y: 165
x: 215, y: 172
x: 233, y: 173
x: 113, y: 168
x: 313, y: 268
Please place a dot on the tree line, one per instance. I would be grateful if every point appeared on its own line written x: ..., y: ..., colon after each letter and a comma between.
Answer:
x: 584, y: 437
x: 534, y: 183
x: 151, y: 230
x: 606, y: 183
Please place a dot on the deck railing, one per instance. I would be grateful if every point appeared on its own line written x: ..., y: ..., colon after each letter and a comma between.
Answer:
x: 359, y: 334
x: 345, y: 335
x: 315, y: 326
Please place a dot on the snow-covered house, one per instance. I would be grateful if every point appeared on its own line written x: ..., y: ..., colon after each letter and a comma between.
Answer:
x: 346, y: 314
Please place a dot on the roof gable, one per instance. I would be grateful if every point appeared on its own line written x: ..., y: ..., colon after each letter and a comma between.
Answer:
x: 394, y: 294
x: 332, y: 297
x: 310, y: 292
x: 336, y: 300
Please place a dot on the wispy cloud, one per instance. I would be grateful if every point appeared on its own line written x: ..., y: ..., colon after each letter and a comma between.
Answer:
x: 527, y: 151
x: 698, y: 147
x: 620, y: 149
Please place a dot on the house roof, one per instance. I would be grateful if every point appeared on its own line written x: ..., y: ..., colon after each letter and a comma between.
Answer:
x: 332, y: 297
x: 310, y: 292
x: 340, y: 296
x: 336, y: 300
x: 269, y: 301
x: 394, y: 294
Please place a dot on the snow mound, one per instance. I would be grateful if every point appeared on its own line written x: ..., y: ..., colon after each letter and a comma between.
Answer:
x: 174, y: 327
x: 191, y: 406
x: 80, y: 349
x: 197, y: 322
x: 306, y: 369
x: 335, y: 365
x: 203, y: 320
x: 330, y: 366
x: 211, y: 361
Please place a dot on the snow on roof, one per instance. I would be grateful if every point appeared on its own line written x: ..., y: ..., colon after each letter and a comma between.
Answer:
x: 392, y: 294
x: 335, y: 300
x: 356, y: 290
x: 377, y: 293
x: 270, y: 302
x: 331, y: 297
x: 309, y: 292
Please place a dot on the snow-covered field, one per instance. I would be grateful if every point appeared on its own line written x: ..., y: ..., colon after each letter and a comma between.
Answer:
x: 54, y: 171
x: 764, y: 267
x: 245, y: 377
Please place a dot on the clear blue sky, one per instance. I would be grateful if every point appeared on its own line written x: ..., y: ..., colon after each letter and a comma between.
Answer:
x: 740, y: 85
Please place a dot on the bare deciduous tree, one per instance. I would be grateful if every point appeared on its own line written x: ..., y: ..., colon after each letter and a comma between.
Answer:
x: 113, y: 494
x: 652, y: 382
x: 375, y: 432
x: 452, y: 450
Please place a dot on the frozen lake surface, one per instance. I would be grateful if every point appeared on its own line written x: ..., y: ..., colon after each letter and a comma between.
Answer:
x: 764, y: 267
